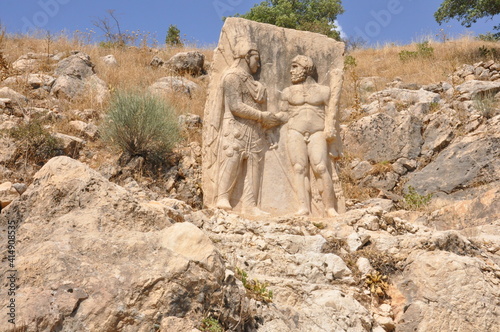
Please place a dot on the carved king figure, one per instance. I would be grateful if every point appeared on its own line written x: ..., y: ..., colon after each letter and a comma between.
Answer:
x: 241, y: 143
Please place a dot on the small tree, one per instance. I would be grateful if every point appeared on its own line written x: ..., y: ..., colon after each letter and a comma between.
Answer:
x: 173, y: 36
x: 141, y: 124
x: 308, y: 15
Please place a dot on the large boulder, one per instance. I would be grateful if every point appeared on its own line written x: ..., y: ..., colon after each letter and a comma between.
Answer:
x: 77, y: 65
x: 171, y: 84
x: 187, y: 63
x: 116, y: 263
x: 472, y: 89
x: 381, y: 138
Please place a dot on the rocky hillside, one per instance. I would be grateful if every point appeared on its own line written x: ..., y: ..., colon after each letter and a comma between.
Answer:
x: 93, y: 242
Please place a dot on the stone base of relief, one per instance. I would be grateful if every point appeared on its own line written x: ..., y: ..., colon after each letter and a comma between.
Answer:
x: 272, y: 171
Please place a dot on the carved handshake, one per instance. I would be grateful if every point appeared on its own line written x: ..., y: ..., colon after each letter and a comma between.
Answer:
x: 269, y: 120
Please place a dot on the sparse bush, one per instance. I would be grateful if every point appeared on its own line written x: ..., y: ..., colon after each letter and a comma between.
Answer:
x: 35, y: 143
x: 211, y: 324
x: 255, y: 289
x: 423, y: 51
x: 141, y: 124
x: 486, y: 105
x: 415, y: 201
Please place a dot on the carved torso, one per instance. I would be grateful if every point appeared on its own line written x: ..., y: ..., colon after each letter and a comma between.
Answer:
x: 306, y: 106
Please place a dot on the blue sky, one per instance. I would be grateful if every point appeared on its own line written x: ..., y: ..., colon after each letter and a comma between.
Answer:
x: 200, y: 21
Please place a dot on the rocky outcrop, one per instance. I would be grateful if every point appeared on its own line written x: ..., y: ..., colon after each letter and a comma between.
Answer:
x: 380, y: 137
x: 151, y: 269
x: 171, y: 84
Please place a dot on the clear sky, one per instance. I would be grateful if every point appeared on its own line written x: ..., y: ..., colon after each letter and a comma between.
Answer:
x: 200, y: 21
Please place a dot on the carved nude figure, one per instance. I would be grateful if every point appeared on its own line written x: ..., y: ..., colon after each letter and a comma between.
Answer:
x: 304, y: 106
x: 242, y: 143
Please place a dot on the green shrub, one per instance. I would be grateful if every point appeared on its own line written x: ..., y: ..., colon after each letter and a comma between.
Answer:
x: 423, y: 51
x: 210, y: 324
x: 141, y: 124
x: 415, y: 201
x: 255, y: 289
x: 35, y: 143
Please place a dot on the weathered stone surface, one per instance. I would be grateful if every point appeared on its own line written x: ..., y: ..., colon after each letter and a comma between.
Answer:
x: 7, y: 149
x: 407, y: 96
x: 438, y: 133
x: 97, y: 88
x: 448, y: 292
x: 187, y: 63
x: 381, y: 138
x: 280, y: 189
x: 465, y: 162
x: 469, y: 90
x: 13, y: 95
x: 67, y: 86
x: 109, y: 60
x: 90, y: 130
x: 171, y: 84
x: 87, y: 224
x: 35, y: 81
x: 70, y: 145
x: 7, y: 194
x: 77, y: 65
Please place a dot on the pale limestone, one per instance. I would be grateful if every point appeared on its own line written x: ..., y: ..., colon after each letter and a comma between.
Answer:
x: 271, y: 187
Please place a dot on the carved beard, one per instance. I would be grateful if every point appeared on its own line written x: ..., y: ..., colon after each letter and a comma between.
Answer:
x: 299, y: 77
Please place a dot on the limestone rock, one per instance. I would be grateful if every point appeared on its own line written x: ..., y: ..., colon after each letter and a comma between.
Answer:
x: 109, y: 60
x: 97, y: 88
x: 462, y: 163
x: 438, y: 133
x: 14, y: 96
x: 187, y: 63
x: 67, y: 86
x: 381, y: 138
x: 407, y: 96
x: 70, y: 145
x: 35, y: 81
x: 87, y: 224
x: 450, y: 291
x: 77, y: 66
x: 171, y: 84
x: 469, y: 90
x: 7, y: 194
x: 90, y: 130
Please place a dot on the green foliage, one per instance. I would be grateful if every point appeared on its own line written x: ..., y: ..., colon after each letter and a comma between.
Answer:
x: 308, y: 15
x: 489, y: 37
x: 415, y: 201
x: 141, y: 124
x: 35, y: 143
x: 466, y: 11
x: 350, y: 62
x: 210, y: 324
x: 173, y: 36
x: 489, y: 52
x: 423, y: 51
x: 255, y: 289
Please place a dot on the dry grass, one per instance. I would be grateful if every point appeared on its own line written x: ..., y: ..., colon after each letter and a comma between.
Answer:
x: 385, y: 63
x: 133, y: 71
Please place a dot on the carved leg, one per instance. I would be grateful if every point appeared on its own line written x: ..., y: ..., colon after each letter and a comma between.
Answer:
x: 318, y: 154
x: 251, y: 186
x: 297, y: 152
x: 227, y: 179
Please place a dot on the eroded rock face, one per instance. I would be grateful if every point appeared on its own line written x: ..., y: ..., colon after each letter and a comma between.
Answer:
x: 187, y: 63
x: 448, y: 292
x: 382, y: 138
x: 115, y: 262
